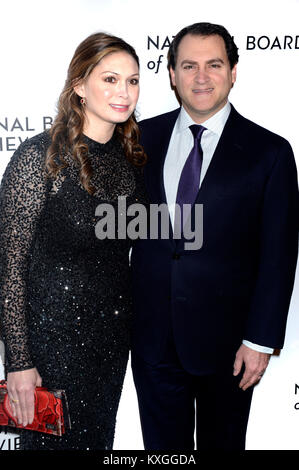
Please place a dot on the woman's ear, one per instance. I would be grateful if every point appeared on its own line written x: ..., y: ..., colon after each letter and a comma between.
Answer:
x: 79, y: 89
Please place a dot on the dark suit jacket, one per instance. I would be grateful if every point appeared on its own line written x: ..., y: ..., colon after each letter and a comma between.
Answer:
x: 238, y: 285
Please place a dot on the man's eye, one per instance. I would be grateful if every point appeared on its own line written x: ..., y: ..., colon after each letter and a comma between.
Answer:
x: 189, y: 67
x: 215, y: 66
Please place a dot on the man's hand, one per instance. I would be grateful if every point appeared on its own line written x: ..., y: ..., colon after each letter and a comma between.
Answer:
x: 255, y: 365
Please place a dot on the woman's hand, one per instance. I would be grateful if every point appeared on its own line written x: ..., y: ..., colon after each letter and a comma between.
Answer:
x: 20, y: 387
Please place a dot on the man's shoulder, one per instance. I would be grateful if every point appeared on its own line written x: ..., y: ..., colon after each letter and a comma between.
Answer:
x: 250, y: 129
x: 160, y: 119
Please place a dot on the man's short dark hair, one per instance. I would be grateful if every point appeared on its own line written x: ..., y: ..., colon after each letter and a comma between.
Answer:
x: 204, y: 29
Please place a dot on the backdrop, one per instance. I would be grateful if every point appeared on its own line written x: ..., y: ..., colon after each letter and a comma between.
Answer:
x: 37, y: 42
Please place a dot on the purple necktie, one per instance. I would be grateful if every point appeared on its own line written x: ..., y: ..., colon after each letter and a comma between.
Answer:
x: 190, y: 176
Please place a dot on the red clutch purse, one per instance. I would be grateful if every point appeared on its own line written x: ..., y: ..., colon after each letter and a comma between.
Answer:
x: 50, y: 415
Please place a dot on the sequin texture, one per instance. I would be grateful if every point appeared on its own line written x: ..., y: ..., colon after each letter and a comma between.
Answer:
x: 65, y: 294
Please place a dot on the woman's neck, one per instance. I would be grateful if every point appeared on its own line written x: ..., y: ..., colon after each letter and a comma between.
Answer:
x: 99, y: 133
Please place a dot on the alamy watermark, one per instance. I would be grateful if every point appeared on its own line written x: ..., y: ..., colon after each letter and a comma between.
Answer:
x: 150, y: 221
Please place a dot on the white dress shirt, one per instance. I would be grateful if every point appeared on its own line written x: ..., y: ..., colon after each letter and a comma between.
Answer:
x: 180, y: 145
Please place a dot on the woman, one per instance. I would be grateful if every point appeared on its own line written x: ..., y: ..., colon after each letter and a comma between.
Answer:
x: 65, y: 306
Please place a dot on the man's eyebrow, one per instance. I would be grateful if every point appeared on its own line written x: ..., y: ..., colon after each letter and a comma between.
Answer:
x: 186, y: 61
x: 217, y: 59
x: 210, y: 61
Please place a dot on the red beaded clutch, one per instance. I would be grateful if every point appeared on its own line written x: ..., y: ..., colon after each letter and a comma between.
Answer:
x: 50, y: 415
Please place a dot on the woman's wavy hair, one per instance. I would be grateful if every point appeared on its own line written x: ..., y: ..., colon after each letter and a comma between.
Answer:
x: 67, y: 129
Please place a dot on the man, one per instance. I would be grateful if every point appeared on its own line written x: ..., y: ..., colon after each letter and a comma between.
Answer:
x: 206, y: 320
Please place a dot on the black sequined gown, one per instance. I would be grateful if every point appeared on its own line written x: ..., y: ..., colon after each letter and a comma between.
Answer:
x: 65, y: 294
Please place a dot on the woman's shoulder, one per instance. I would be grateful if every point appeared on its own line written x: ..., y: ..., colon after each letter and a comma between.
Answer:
x: 32, y: 149
x: 29, y: 156
x: 37, y: 142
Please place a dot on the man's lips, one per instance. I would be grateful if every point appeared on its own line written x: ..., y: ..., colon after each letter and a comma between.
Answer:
x: 202, y: 91
x: 121, y: 108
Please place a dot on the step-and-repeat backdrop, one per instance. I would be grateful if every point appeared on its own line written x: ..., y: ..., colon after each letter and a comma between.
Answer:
x: 37, y: 42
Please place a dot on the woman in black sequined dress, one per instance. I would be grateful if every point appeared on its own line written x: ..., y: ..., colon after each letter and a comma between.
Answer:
x: 65, y: 293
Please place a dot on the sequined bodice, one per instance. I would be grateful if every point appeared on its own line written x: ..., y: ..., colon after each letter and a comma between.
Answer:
x: 56, y: 275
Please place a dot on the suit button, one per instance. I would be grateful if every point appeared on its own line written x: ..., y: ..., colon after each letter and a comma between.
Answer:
x: 176, y: 256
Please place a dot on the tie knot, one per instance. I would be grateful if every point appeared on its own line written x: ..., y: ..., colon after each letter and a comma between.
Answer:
x: 197, y: 131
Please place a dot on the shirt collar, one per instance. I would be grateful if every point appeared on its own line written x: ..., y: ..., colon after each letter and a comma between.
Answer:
x: 215, y: 123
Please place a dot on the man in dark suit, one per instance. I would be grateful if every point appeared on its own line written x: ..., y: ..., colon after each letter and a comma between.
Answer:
x: 206, y: 320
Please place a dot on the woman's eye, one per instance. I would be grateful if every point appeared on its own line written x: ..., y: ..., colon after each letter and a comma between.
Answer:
x: 134, y: 81
x: 110, y: 79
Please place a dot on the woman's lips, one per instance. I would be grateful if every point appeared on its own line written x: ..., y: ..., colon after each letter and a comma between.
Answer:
x: 121, y: 108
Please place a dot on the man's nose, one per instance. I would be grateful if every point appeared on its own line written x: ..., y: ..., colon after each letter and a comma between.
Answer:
x: 201, y: 76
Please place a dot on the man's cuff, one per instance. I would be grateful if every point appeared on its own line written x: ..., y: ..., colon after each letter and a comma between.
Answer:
x: 257, y: 347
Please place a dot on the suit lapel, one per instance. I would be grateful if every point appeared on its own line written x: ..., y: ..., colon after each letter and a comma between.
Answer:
x: 157, y: 150
x: 226, y: 153
x: 155, y: 137
x: 224, y: 163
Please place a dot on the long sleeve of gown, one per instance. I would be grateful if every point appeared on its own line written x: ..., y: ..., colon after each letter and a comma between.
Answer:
x: 22, y: 198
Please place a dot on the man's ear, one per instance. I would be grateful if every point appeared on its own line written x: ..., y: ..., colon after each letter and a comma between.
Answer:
x: 172, y: 76
x: 234, y: 74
